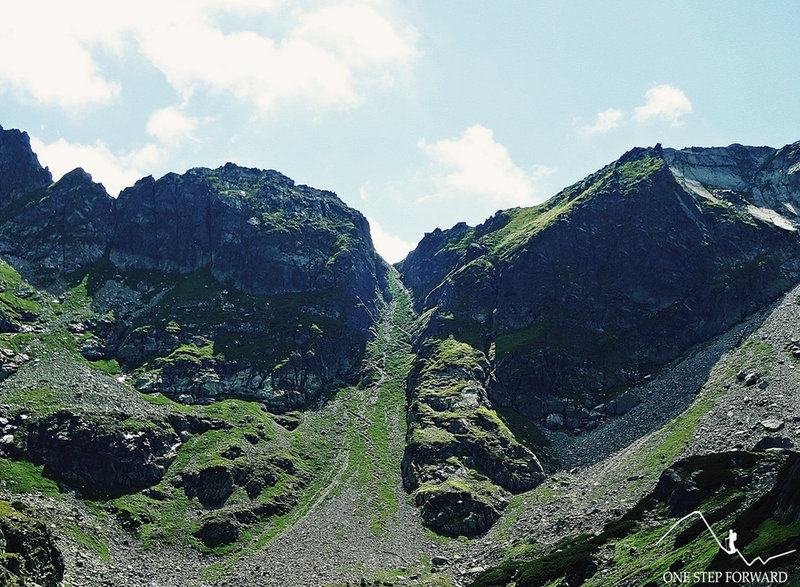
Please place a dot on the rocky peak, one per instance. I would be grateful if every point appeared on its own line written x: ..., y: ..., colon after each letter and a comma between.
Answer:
x: 254, y: 229
x: 761, y: 181
x: 432, y: 259
x: 640, y: 153
x: 63, y: 226
x: 732, y: 167
x: 20, y: 171
x: 271, y: 286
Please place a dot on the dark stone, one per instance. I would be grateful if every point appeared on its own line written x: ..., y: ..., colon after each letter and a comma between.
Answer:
x: 102, y: 456
x: 212, y: 486
x: 218, y: 529
x: 232, y: 219
x: 772, y: 424
x: 20, y: 170
x: 751, y: 379
x: 93, y: 349
x: 65, y: 227
x: 554, y: 421
x: 28, y: 552
x: 195, y: 424
x: 454, y: 512
x: 622, y: 404
x: 773, y: 442
x: 290, y: 420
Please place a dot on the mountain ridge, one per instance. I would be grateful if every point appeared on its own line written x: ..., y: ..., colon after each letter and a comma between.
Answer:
x: 233, y: 341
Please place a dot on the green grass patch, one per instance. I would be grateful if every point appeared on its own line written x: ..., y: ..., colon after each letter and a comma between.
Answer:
x: 161, y: 400
x: 107, y: 366
x: 769, y: 535
x: 24, y: 477
x: 17, y: 298
x: 520, y: 339
x: 189, y: 352
x: 632, y: 173
x: 40, y: 400
x: 17, y: 342
x: 91, y: 541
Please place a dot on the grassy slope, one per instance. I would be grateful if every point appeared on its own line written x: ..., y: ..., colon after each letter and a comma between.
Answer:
x: 371, y: 451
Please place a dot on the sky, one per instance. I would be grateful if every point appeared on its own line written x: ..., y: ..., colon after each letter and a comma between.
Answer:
x: 418, y: 113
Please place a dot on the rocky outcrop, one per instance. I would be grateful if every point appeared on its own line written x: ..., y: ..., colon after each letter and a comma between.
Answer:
x: 690, y: 482
x: 20, y: 171
x: 28, y: 554
x: 218, y: 529
x: 734, y: 490
x: 767, y: 179
x: 10, y: 362
x: 103, y: 456
x: 212, y: 485
x: 461, y: 460
x: 783, y: 502
x: 567, y: 305
x: 255, y: 230
x: 60, y: 228
x: 434, y: 257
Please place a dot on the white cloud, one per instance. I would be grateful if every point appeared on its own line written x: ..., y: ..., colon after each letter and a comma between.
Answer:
x: 605, y: 121
x: 323, y: 56
x: 115, y: 172
x: 359, y: 34
x: 663, y: 102
x: 171, y: 126
x: 474, y: 165
x: 67, y: 76
x: 392, y: 248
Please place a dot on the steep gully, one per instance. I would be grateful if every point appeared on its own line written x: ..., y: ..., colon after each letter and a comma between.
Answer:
x: 360, y: 521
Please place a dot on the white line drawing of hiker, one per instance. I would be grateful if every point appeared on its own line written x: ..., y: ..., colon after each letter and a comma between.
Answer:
x: 730, y: 542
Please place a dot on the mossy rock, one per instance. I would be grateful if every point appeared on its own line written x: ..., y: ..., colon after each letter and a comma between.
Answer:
x: 218, y: 529
x: 460, y: 507
x: 28, y: 554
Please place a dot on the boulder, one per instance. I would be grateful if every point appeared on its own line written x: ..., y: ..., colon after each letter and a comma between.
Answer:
x: 554, y: 421
x: 772, y: 424
x: 218, y: 529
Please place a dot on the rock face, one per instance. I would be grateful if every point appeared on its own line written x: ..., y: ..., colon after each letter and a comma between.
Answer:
x: 255, y: 230
x: 568, y: 304
x: 28, y: 554
x: 61, y: 227
x: 102, y: 457
x: 231, y: 282
x: 564, y: 322
x: 461, y: 461
x: 20, y: 171
x: 435, y: 256
x: 783, y: 501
